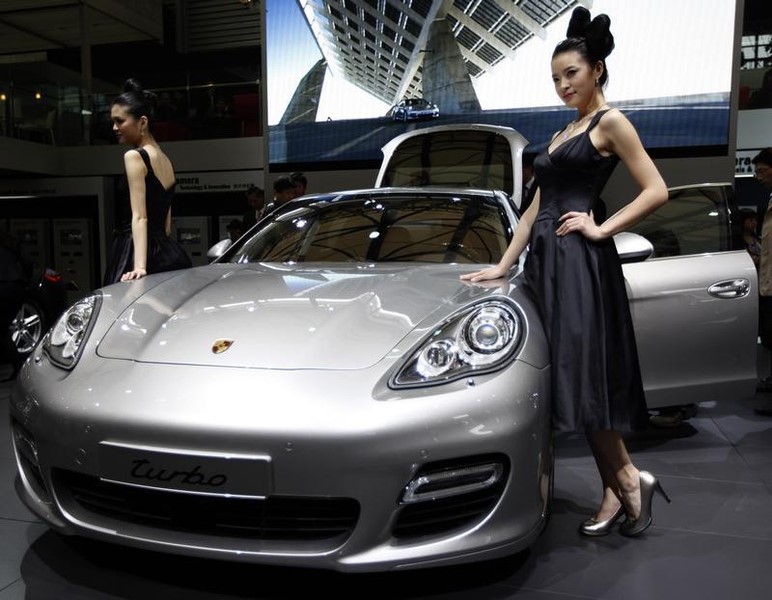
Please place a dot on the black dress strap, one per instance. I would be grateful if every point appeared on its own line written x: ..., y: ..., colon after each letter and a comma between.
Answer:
x: 597, y: 118
x: 146, y: 159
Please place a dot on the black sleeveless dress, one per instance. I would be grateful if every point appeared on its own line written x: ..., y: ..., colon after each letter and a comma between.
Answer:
x: 580, y: 289
x: 163, y: 253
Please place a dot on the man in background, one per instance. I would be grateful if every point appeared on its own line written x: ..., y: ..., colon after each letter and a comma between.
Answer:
x: 283, y: 192
x: 300, y: 182
x: 255, y: 207
x: 762, y: 167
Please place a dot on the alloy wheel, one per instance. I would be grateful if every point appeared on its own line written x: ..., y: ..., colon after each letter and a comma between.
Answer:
x: 26, y: 329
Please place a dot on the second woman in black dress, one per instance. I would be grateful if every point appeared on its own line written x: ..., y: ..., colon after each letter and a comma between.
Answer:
x: 574, y: 273
x: 143, y: 245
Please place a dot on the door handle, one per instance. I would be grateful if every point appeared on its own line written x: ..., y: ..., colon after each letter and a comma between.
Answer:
x: 733, y: 288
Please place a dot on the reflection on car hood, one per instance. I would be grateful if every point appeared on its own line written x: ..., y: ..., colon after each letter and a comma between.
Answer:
x: 285, y: 318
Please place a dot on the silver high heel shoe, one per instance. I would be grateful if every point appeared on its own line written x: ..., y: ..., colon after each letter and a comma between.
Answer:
x: 649, y: 485
x: 593, y: 528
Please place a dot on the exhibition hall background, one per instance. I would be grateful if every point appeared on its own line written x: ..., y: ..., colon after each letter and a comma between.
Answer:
x: 59, y: 161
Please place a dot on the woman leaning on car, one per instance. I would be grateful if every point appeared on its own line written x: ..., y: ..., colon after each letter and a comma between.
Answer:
x: 573, y: 272
x: 143, y: 245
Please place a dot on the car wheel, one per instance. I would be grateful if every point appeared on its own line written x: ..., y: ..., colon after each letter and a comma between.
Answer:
x: 27, y: 328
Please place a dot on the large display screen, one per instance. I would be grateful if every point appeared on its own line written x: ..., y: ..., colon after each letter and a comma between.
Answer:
x: 343, y: 78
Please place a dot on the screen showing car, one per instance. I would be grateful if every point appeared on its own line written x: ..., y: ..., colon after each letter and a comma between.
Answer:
x: 343, y: 78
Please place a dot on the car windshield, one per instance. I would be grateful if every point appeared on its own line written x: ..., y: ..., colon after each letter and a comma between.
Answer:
x: 437, y: 228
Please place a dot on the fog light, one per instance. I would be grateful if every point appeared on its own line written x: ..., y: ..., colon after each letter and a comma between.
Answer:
x: 434, y: 485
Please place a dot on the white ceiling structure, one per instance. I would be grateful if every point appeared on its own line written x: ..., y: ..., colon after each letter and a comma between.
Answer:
x: 378, y: 44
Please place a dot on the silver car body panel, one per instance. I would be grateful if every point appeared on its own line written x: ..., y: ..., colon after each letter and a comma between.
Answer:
x: 694, y: 345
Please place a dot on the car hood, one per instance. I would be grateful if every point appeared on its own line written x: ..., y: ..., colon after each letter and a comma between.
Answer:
x: 286, y: 318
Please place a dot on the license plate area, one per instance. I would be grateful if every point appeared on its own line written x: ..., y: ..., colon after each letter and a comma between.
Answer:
x: 210, y: 473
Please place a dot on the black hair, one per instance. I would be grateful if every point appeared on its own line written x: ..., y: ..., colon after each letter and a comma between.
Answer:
x: 764, y: 157
x: 282, y: 184
x: 298, y: 178
x: 137, y: 101
x: 592, y: 39
x: 253, y: 189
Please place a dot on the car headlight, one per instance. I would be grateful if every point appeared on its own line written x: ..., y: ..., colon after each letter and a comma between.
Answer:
x: 479, y: 339
x: 64, y: 343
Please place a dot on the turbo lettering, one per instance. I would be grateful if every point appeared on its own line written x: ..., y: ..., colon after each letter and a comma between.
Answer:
x: 142, y: 469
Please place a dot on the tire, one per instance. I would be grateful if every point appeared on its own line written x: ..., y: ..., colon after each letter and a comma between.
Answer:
x: 27, y: 328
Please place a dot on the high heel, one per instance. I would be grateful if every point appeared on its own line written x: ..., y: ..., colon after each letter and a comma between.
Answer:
x: 649, y: 485
x: 595, y: 528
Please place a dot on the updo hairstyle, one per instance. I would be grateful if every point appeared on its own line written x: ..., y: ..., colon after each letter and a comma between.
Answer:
x: 592, y: 39
x: 137, y: 101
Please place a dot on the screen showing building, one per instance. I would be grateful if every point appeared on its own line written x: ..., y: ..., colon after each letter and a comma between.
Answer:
x: 345, y: 76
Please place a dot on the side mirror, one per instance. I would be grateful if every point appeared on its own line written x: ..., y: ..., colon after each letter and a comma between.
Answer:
x: 218, y: 249
x: 632, y: 247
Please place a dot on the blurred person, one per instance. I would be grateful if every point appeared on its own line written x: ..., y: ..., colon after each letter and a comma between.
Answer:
x: 574, y: 275
x: 283, y: 192
x: 143, y: 245
x: 751, y: 239
x: 255, y: 206
x: 762, y: 170
x: 300, y: 182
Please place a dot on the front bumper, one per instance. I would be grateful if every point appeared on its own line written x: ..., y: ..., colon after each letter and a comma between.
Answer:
x: 321, y: 449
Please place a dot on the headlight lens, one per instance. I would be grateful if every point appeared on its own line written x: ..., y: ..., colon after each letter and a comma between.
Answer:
x: 64, y: 343
x: 480, y: 339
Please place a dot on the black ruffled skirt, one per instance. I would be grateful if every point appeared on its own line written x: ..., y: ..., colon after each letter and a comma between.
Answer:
x: 164, y: 254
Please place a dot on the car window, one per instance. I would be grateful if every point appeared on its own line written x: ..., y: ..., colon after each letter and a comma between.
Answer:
x: 464, y: 159
x: 438, y: 229
x: 693, y: 221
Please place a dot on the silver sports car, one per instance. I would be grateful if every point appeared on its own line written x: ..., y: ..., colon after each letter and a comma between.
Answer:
x: 329, y: 394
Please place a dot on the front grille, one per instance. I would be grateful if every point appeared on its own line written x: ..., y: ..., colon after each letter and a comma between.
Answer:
x: 437, y: 517
x: 273, y: 518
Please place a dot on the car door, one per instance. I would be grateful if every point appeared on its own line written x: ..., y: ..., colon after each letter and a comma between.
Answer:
x: 694, y: 302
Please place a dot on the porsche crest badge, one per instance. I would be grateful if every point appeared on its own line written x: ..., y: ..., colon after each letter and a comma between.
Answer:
x: 221, y: 346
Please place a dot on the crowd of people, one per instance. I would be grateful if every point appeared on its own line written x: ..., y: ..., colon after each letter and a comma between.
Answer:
x: 285, y: 189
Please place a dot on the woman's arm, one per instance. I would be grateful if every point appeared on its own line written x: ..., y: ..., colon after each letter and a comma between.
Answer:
x: 168, y: 223
x: 514, y: 250
x: 135, y: 173
x: 616, y: 135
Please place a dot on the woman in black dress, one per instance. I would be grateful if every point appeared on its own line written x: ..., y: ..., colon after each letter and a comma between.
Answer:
x: 143, y: 245
x: 573, y: 272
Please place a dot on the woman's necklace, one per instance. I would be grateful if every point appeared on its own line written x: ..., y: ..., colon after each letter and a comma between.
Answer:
x: 577, y: 123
